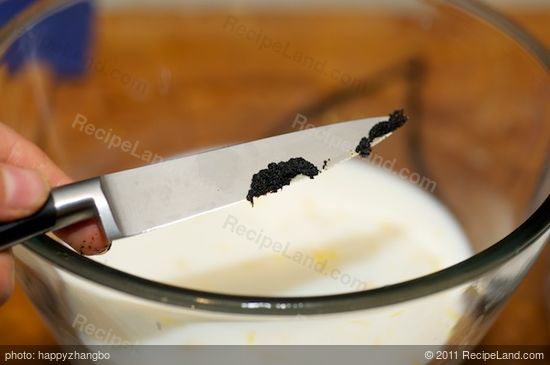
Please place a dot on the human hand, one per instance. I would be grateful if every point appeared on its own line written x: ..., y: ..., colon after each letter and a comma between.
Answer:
x: 26, y: 175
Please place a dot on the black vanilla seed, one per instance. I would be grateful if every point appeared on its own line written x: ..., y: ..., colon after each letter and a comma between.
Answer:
x: 396, y: 120
x: 279, y: 174
x: 363, y: 148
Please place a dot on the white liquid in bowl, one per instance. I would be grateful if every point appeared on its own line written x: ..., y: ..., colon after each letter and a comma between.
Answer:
x: 353, y: 227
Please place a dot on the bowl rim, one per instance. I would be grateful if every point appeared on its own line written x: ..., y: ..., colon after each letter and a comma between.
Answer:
x: 529, y: 232
x: 521, y: 238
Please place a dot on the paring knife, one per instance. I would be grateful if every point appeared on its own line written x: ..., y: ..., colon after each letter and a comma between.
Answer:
x: 135, y: 201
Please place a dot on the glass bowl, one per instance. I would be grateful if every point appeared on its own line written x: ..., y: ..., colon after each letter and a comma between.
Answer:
x: 162, y: 79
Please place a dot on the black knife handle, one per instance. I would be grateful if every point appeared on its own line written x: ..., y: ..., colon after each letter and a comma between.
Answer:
x: 40, y: 222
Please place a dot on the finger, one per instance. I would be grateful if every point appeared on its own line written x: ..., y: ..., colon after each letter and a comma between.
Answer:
x: 22, y: 192
x: 85, y: 237
x: 6, y: 275
x: 17, y: 151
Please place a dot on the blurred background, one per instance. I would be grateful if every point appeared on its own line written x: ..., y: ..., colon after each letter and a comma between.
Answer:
x: 208, y: 86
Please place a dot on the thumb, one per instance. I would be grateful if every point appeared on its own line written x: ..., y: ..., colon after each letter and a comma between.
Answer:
x: 22, y: 192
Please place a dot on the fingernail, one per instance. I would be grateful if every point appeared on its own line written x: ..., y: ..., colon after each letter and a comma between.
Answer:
x: 24, y: 190
x: 106, y: 248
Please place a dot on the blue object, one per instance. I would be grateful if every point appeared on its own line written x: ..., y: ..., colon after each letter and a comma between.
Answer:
x: 61, y: 41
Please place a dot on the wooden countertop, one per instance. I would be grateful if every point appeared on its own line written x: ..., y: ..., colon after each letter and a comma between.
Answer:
x: 523, y: 321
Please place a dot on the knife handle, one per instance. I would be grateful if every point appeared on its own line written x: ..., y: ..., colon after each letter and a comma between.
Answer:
x: 66, y: 205
x: 40, y: 222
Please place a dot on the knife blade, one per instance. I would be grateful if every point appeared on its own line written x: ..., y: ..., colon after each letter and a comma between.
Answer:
x: 135, y: 201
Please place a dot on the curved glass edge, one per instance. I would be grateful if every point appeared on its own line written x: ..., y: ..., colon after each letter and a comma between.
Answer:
x: 491, y: 258
x: 27, y: 18
x: 519, y: 34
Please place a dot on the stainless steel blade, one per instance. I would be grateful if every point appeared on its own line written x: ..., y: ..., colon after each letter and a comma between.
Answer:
x: 145, y: 198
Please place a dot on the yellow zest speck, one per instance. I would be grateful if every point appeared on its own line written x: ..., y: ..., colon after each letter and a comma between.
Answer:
x: 361, y: 322
x: 251, y: 338
x: 390, y: 229
x: 396, y: 313
x: 323, y: 255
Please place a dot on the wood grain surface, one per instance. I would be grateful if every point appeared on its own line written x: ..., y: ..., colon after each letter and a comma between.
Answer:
x: 523, y: 320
